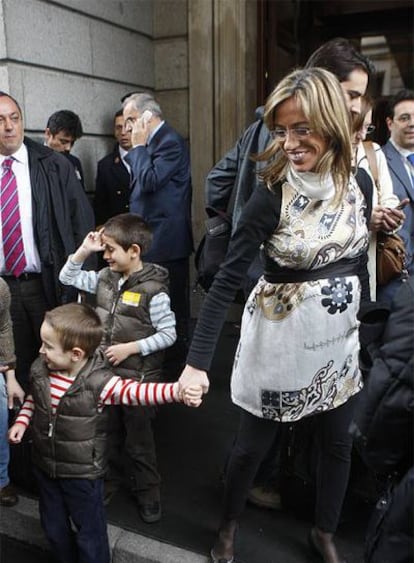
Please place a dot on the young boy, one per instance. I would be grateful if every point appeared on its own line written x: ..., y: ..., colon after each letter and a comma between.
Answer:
x: 9, y: 391
x: 133, y: 304
x: 70, y: 387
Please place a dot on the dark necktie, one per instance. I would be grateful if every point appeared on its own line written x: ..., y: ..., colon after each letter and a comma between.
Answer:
x: 13, y: 248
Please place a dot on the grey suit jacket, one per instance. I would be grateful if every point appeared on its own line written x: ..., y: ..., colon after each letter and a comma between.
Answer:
x: 403, y: 188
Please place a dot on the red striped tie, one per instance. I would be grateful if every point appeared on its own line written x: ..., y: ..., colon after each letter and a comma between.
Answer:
x: 13, y: 248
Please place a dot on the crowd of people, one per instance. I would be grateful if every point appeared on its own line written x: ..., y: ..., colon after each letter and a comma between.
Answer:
x: 307, y: 204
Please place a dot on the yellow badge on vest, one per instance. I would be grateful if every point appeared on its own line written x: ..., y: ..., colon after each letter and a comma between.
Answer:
x: 131, y: 298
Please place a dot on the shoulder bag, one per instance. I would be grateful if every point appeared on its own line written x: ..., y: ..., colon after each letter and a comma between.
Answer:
x: 390, y: 247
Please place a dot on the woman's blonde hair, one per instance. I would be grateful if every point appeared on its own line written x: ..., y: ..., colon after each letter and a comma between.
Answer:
x: 320, y: 96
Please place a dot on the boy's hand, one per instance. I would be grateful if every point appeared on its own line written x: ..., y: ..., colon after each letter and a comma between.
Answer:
x: 192, y: 396
x: 16, y: 433
x: 117, y: 353
x: 91, y: 243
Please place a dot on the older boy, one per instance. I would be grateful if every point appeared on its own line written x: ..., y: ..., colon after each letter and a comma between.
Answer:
x: 134, y: 306
x: 70, y: 387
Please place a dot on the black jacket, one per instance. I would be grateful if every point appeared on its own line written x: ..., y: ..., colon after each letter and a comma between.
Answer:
x: 384, y: 433
x: 384, y: 422
x: 111, y: 187
x: 77, y: 165
x: 237, y: 172
x: 62, y: 214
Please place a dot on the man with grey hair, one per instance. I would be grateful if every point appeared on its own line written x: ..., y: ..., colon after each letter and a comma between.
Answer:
x: 161, y: 194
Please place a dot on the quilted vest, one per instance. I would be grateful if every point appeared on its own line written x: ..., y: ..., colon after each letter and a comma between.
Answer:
x: 125, y: 314
x: 72, y: 442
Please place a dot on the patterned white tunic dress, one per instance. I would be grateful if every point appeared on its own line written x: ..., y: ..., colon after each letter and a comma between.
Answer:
x: 298, y: 349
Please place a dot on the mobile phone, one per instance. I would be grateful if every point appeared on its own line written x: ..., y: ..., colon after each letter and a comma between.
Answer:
x: 146, y: 116
x: 403, y: 203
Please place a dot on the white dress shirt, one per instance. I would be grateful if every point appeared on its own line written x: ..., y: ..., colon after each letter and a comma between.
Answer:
x: 21, y: 171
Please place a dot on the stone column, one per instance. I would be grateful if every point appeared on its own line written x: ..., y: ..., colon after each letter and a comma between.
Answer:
x: 223, y: 78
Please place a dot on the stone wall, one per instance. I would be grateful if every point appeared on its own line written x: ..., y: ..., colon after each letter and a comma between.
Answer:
x: 84, y: 55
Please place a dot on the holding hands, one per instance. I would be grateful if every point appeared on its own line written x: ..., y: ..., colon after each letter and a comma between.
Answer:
x: 192, y: 396
x: 193, y: 384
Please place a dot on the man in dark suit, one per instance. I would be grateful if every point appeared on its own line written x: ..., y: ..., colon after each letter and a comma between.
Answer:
x: 54, y: 216
x: 63, y: 128
x: 399, y: 151
x: 112, y: 180
x: 161, y: 194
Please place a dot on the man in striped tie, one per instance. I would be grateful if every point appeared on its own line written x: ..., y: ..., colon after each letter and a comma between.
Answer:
x: 44, y: 215
x: 399, y: 151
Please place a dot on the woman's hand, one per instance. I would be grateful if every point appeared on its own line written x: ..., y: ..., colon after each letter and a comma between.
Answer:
x: 91, y: 243
x: 193, y: 377
x: 386, y: 219
x: 14, y: 391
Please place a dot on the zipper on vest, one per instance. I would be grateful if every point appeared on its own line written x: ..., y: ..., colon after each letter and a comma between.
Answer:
x: 50, y: 431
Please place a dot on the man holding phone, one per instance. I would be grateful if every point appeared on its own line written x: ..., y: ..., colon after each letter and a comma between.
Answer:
x: 161, y: 193
x: 399, y: 152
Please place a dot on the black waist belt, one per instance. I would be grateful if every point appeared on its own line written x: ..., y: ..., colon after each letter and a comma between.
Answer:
x: 26, y: 276
x: 274, y: 274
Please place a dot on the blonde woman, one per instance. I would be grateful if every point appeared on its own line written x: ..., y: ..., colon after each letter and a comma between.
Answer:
x: 298, y: 350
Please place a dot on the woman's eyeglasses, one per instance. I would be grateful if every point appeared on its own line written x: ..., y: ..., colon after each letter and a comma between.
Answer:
x: 280, y: 134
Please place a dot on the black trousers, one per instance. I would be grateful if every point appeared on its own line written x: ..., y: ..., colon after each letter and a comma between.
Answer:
x: 28, y: 308
x: 179, y: 274
x: 132, y: 452
x: 256, y: 435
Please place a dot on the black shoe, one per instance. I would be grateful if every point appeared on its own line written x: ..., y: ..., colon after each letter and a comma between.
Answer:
x: 150, y: 512
x: 8, y: 496
x: 221, y: 560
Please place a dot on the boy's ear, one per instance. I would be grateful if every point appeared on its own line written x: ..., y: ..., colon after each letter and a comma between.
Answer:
x: 78, y: 354
x: 136, y: 251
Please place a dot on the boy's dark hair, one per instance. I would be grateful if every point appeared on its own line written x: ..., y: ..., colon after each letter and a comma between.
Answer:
x: 401, y: 96
x: 340, y: 57
x: 65, y: 120
x: 76, y: 325
x: 127, y: 229
x: 118, y: 113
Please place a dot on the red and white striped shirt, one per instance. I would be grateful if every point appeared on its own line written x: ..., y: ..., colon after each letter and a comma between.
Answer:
x: 117, y: 391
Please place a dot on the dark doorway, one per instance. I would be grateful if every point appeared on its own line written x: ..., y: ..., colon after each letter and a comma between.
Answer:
x: 290, y: 30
